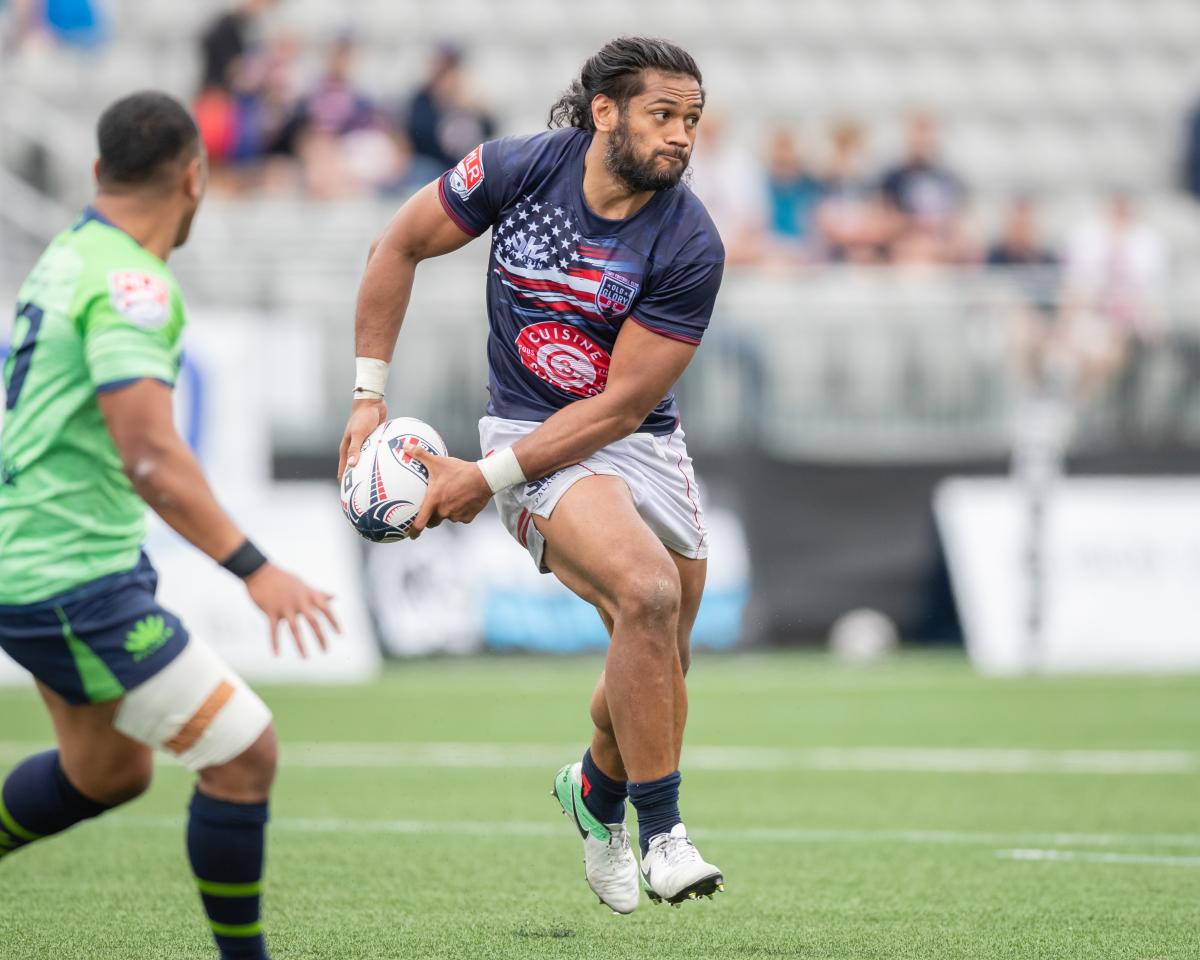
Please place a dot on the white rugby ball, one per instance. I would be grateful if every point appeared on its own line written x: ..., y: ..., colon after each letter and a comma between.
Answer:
x: 383, y: 491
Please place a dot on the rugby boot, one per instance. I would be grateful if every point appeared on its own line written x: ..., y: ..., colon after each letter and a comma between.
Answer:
x: 673, y: 870
x: 608, y: 861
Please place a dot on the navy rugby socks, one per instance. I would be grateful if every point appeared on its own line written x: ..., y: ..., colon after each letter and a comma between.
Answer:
x: 37, y: 800
x: 657, y: 805
x: 602, y: 795
x: 225, y: 843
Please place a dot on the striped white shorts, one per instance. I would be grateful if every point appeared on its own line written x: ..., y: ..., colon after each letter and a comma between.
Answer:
x: 657, y: 470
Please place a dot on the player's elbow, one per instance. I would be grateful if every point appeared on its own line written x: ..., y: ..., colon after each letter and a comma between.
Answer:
x: 147, y: 466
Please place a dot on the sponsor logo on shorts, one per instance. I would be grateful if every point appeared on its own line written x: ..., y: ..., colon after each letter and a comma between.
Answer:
x: 468, y: 174
x: 615, y: 294
x: 141, y: 298
x: 563, y: 356
x: 147, y: 637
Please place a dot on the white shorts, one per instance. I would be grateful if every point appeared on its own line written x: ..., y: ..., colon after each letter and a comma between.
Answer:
x: 657, y: 470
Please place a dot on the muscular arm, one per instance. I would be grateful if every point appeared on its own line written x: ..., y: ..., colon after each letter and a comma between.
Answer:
x: 165, y: 474
x: 163, y: 470
x: 420, y: 229
x: 644, y: 367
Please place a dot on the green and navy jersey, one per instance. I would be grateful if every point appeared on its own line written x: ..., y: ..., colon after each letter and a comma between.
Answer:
x: 97, y: 312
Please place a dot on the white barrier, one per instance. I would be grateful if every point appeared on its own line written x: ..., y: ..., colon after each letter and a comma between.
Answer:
x: 1121, y: 562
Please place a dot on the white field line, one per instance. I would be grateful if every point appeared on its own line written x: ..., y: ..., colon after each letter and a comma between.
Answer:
x: 982, y: 760
x: 798, y: 835
x: 1090, y: 856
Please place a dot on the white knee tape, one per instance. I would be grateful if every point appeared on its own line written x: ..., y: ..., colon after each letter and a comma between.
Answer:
x: 196, y: 709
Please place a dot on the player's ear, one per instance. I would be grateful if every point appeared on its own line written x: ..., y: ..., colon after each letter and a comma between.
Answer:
x: 194, y: 177
x: 604, y: 113
x: 96, y: 169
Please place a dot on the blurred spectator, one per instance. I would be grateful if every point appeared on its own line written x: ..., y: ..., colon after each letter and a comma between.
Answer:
x: 444, y: 121
x: 77, y: 23
x: 1113, y: 297
x: 227, y: 40
x: 850, y: 219
x: 1034, y: 270
x: 921, y: 188
x: 1191, y: 156
x: 340, y: 135
x: 793, y: 194
x: 732, y: 185
x: 1018, y: 244
x: 927, y: 200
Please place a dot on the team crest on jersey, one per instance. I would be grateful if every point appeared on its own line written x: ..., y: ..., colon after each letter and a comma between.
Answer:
x: 468, y: 174
x: 564, y: 356
x: 615, y: 294
x: 141, y: 298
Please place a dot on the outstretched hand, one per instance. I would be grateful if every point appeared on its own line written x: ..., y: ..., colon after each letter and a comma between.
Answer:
x: 285, y: 598
x: 457, y: 490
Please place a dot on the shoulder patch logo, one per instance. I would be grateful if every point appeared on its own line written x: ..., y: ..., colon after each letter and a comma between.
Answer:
x: 141, y: 298
x: 615, y: 294
x: 147, y: 637
x: 468, y: 174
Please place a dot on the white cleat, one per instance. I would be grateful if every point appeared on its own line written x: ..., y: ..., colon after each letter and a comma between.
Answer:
x: 608, y: 861
x: 673, y: 870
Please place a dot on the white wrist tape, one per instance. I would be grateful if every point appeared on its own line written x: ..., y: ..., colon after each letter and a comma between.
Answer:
x: 501, y: 470
x: 370, y: 374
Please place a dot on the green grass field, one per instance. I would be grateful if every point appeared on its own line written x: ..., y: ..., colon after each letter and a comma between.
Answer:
x: 907, y: 810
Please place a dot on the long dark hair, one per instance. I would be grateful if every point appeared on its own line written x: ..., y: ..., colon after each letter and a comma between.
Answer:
x: 616, y: 71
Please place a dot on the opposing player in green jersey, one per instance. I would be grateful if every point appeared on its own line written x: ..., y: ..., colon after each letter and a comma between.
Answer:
x: 88, y: 440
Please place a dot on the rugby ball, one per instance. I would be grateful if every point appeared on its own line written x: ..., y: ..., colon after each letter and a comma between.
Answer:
x: 383, y: 491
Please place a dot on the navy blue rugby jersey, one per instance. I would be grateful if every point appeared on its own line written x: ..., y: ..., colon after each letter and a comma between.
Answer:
x: 562, y: 280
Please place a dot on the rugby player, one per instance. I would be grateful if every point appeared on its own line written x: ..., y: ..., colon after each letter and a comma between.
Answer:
x: 603, y: 271
x: 88, y: 436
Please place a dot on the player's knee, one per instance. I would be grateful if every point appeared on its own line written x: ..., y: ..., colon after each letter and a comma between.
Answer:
x: 118, y: 783
x: 248, y: 777
x: 650, y: 596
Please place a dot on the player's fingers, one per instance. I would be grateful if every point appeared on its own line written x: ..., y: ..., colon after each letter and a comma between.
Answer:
x: 353, y: 448
x: 421, y: 455
x: 295, y: 628
x: 421, y: 520
x: 322, y: 603
x: 343, y: 450
x: 274, y: 621
x: 315, y: 626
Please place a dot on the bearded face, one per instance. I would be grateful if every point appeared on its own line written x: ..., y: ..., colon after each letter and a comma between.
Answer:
x: 642, y: 169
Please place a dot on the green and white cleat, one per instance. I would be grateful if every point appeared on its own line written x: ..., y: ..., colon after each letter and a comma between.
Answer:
x: 673, y: 870
x: 608, y: 861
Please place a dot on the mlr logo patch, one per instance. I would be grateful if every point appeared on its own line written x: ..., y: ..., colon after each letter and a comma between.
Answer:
x: 141, y: 298
x: 468, y: 174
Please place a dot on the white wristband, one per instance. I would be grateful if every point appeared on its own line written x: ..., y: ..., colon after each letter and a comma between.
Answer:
x: 370, y: 375
x: 501, y: 469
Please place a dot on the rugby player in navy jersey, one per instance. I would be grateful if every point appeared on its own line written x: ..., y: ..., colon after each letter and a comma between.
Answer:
x: 603, y: 271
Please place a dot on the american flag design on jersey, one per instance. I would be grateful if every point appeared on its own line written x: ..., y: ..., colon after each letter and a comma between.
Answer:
x: 562, y: 281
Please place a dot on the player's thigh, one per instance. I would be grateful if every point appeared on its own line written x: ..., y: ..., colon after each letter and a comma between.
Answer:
x: 692, y: 574
x: 601, y: 549
x: 99, y: 761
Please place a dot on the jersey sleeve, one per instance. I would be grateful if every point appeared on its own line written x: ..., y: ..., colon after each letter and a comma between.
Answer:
x: 477, y: 189
x: 131, y: 330
x: 680, y: 305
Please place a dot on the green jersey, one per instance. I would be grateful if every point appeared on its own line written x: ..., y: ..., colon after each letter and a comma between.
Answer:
x: 98, y: 312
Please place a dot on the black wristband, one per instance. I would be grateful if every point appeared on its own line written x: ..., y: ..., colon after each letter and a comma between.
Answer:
x: 245, y: 560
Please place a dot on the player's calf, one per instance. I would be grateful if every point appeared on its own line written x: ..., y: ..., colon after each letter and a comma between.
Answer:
x: 226, y: 841
x: 38, y: 800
